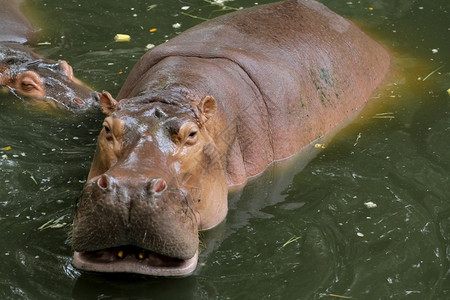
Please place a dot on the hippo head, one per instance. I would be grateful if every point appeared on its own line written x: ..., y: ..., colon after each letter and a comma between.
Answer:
x: 44, y: 80
x: 156, y: 179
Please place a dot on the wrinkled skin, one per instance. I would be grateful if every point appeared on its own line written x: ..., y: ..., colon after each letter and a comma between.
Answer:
x: 206, y: 111
x: 29, y: 75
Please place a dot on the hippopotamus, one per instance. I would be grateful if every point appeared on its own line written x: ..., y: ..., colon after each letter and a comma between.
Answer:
x: 203, y: 113
x: 29, y: 75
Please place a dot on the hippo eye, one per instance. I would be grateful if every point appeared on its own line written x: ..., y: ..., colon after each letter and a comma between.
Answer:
x: 192, y: 137
x: 107, y: 129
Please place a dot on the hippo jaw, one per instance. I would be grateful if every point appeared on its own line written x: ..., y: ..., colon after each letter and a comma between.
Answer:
x: 133, y: 260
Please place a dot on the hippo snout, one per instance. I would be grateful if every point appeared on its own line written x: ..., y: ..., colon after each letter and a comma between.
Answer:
x: 149, y: 213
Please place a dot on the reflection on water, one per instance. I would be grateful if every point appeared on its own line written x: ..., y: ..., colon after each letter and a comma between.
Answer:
x: 305, y: 233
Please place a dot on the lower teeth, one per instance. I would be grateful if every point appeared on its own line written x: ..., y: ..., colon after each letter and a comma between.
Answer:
x: 121, y: 254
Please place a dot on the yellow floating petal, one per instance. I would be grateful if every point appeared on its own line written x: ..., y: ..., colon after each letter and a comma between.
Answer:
x: 122, y: 37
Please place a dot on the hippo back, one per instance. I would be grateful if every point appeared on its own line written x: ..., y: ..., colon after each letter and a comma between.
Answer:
x: 309, y: 68
x: 13, y: 24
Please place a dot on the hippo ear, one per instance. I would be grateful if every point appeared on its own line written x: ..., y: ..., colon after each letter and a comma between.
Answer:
x: 208, y: 107
x: 107, y: 103
x: 66, y: 68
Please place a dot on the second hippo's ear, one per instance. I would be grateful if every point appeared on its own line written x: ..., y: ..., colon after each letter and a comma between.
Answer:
x: 107, y: 103
x: 66, y: 68
x: 208, y: 107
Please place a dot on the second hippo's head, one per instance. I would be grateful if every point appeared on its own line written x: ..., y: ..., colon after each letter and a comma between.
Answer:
x: 44, y: 80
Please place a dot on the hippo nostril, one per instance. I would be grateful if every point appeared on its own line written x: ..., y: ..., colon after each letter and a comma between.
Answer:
x: 78, y: 101
x: 158, y: 185
x: 102, y: 182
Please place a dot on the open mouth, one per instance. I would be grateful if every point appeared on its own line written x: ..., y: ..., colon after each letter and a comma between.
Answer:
x: 130, y: 259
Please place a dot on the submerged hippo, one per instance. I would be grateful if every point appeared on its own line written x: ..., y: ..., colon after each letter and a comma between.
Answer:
x: 27, y: 74
x: 206, y: 111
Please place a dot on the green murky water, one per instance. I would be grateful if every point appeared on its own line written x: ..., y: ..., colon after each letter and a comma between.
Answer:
x: 305, y: 233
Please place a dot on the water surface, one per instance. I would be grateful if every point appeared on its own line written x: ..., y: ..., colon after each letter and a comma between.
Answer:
x: 305, y: 232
